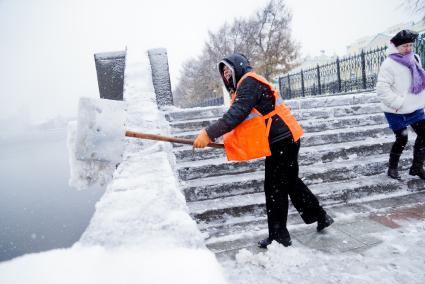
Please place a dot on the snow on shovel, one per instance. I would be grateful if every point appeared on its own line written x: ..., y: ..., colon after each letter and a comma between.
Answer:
x: 96, y: 141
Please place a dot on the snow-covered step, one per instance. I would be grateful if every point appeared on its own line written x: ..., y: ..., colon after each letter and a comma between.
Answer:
x: 248, y: 183
x: 333, y: 100
x: 294, y: 104
x: 301, y: 115
x: 309, y: 156
x: 329, y: 136
x: 195, y: 113
x: 219, y: 167
x: 191, y: 125
x: 216, y: 212
x: 310, y: 125
x: 187, y: 153
x: 249, y: 233
x: 214, y: 231
x: 336, y: 111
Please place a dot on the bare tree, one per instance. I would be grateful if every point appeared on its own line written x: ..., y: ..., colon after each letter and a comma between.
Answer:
x: 275, y: 51
x: 416, y: 6
x: 264, y: 38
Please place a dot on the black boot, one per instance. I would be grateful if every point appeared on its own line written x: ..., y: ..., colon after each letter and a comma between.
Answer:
x: 393, y: 165
x: 267, y: 241
x: 324, y: 222
x: 418, y: 162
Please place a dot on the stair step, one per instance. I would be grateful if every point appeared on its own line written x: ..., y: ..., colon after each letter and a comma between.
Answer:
x: 328, y: 136
x: 218, y: 210
x: 310, y: 172
x: 295, y: 104
x: 248, y: 235
x: 309, y: 155
x: 333, y: 113
x: 194, y: 113
x: 333, y: 100
x: 251, y: 182
x: 310, y: 125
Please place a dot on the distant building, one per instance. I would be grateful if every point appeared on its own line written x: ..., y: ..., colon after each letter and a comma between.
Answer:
x: 366, y: 43
x: 382, y: 39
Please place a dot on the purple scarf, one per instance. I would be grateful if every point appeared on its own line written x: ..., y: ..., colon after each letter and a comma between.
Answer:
x: 418, y: 73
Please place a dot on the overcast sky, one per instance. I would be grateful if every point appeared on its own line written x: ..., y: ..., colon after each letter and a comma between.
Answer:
x: 47, y: 46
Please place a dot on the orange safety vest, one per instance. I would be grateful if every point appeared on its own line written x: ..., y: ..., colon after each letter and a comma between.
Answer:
x: 250, y: 139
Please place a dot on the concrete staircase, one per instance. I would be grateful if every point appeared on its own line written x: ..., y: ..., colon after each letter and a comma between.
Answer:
x: 343, y: 158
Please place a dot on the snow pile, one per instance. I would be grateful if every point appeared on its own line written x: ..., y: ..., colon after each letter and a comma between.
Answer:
x: 141, y: 231
x: 99, y: 265
x: 143, y: 207
x: 398, y: 259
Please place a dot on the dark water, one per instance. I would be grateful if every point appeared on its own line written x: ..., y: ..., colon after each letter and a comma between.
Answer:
x: 38, y: 210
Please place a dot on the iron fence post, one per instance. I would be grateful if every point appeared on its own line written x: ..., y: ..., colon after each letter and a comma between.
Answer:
x: 319, y: 88
x: 289, y: 87
x: 338, y: 74
x: 302, y: 82
x: 363, y: 61
x: 420, y: 48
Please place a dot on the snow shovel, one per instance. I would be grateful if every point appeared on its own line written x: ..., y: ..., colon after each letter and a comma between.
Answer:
x: 96, y: 141
x: 101, y: 130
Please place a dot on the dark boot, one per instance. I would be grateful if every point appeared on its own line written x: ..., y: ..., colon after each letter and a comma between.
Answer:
x: 267, y: 241
x: 418, y: 162
x: 324, y: 222
x: 393, y: 165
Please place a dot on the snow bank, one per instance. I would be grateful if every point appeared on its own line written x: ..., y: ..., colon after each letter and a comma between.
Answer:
x: 142, y: 206
x: 99, y: 265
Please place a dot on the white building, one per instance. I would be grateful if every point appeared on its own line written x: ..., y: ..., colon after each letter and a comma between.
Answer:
x: 381, y: 39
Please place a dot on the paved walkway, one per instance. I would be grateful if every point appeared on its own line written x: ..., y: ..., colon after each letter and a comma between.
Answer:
x: 357, y: 226
x: 370, y: 219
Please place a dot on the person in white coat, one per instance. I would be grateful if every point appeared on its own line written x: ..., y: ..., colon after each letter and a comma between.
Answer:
x: 401, y: 88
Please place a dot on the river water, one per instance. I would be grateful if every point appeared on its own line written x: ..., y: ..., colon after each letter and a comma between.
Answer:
x: 38, y: 210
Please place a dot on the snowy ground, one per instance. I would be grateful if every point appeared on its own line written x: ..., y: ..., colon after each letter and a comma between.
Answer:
x: 400, y: 258
x: 142, y: 232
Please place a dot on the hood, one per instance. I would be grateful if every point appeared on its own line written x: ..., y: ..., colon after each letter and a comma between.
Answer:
x: 239, y: 65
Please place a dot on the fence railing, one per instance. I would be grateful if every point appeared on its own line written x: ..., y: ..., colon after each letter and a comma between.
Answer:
x: 357, y: 72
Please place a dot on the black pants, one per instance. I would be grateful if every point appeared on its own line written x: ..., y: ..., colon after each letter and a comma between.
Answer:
x: 401, y: 137
x: 281, y: 180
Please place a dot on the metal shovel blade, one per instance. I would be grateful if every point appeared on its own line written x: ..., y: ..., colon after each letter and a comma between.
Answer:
x: 100, y: 130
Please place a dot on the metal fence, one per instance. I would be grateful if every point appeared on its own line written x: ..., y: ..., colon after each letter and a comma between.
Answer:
x: 357, y: 72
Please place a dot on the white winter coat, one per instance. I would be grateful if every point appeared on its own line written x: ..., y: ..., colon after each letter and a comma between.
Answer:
x: 393, y: 87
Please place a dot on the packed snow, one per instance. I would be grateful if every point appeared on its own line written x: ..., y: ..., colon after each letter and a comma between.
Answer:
x: 97, y: 264
x: 141, y: 231
x: 398, y: 259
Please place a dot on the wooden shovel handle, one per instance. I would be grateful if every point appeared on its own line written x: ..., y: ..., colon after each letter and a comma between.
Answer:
x: 166, y: 138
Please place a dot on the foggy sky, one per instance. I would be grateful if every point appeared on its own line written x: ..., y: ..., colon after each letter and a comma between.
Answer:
x: 47, y: 46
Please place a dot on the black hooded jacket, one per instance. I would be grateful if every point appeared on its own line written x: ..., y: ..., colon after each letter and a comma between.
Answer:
x: 251, y: 93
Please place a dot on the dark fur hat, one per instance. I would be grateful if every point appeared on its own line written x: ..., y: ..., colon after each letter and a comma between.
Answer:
x: 403, y: 37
